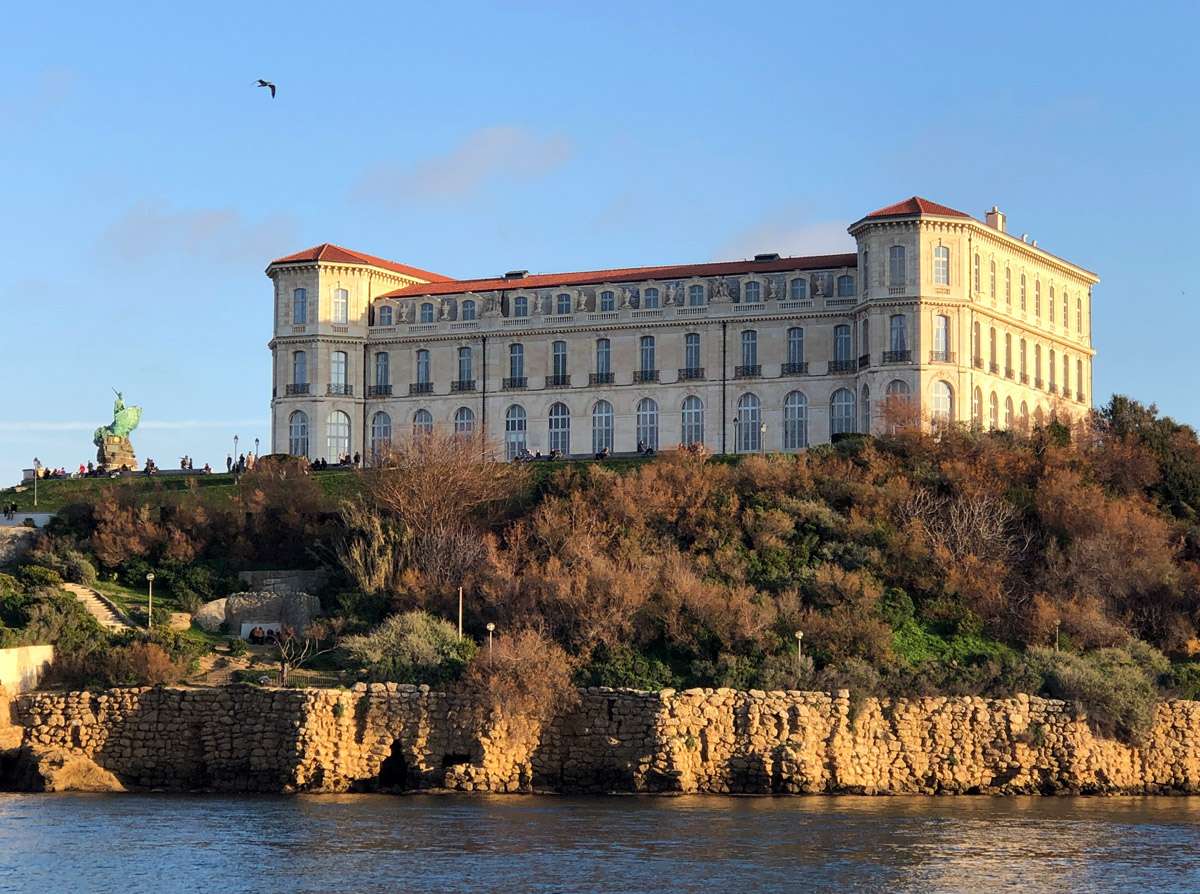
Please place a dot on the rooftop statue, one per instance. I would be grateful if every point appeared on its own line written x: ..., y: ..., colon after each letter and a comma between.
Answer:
x: 125, y: 420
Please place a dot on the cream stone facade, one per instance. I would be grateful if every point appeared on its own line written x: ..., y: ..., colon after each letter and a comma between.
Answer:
x: 953, y: 315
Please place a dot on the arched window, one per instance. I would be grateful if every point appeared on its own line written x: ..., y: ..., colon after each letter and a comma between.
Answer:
x: 337, y: 371
x: 845, y: 286
x: 650, y: 298
x: 749, y: 349
x: 795, y: 348
x: 1050, y: 367
x: 975, y: 278
x: 1023, y: 293
x: 897, y: 335
x: 1024, y: 366
x: 1008, y: 412
x: 385, y: 315
x: 943, y: 404
x: 516, y: 361
x: 841, y: 412
x: 299, y: 307
x: 464, y: 421
x: 381, y: 435
x: 423, y: 367
x: 1066, y: 382
x: 608, y: 301
x: 865, y: 408
x: 646, y: 354
x: 1079, y: 378
x: 560, y: 428
x: 898, y: 388
x: 691, y: 353
x: 558, y: 360
x: 992, y: 348
x: 695, y: 295
x: 795, y: 421
x: 747, y: 437
x: 298, y: 433
x: 753, y: 292
x: 1008, y: 286
x: 993, y: 412
x: 799, y: 289
x: 1037, y: 366
x: 337, y: 435
x: 1008, y: 367
x: 1066, y: 311
x: 1050, y: 307
x: 647, y: 424
x: 466, y: 365
x: 941, y: 338
x: 1024, y: 416
x: 896, y: 269
x: 976, y: 345
x: 341, y: 306
x: 562, y: 303
x: 992, y: 280
x: 1039, y: 417
x: 467, y: 310
x: 977, y: 407
x: 841, y: 344
x: 602, y: 426
x: 941, y: 265
x: 603, y: 357
x: 426, y: 312
x: 381, y: 369
x: 422, y: 423
x: 514, y: 431
x: 1037, y: 298
x: 299, y: 368
x: 693, y: 421
x: 521, y: 306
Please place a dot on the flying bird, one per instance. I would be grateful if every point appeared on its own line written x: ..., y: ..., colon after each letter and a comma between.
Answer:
x: 268, y: 84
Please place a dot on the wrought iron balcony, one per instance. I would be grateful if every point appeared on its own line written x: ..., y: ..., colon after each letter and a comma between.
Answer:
x: 645, y: 375
x: 558, y: 381
x: 1024, y: 378
x: 941, y: 357
x: 687, y: 373
x: 977, y: 362
x: 515, y: 383
x: 795, y: 369
x: 1037, y: 383
x: 994, y: 367
x: 897, y: 356
x: 864, y: 361
x: 379, y: 391
x: 1079, y: 396
x: 752, y: 371
x: 420, y: 388
x: 600, y: 378
x: 296, y: 388
x: 1009, y: 372
x: 340, y: 389
x: 462, y: 385
x: 841, y: 366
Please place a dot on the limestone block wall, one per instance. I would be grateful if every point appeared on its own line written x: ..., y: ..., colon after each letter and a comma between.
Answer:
x: 394, y: 737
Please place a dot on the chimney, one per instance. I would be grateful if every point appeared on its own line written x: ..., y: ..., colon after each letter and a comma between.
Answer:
x: 995, y: 219
x: 516, y: 274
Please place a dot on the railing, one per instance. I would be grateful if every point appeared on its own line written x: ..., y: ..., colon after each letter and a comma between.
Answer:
x: 745, y: 307
x: 688, y: 373
x: 462, y: 385
x: 603, y: 315
x: 558, y: 381
x: 897, y: 356
x: 379, y: 391
x: 555, y: 319
x: 645, y: 375
x: 600, y: 378
x: 796, y: 304
x: 647, y: 314
x: 298, y: 330
x: 420, y: 388
x: 296, y: 388
x: 693, y: 310
x: 340, y: 389
x: 864, y: 361
x: 416, y: 328
x: 514, y: 383
x: 795, y: 369
x: 752, y: 371
x: 841, y: 366
x: 941, y: 356
x: 463, y: 325
x: 896, y: 290
x: 1024, y: 378
x: 840, y: 302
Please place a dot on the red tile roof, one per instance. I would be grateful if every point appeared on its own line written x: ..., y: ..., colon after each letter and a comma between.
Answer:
x: 327, y: 251
x: 916, y: 205
x: 629, y: 274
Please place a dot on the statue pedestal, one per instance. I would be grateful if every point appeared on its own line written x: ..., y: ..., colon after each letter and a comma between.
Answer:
x: 115, y: 454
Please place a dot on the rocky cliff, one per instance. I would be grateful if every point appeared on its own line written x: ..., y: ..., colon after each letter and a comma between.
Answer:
x: 389, y: 737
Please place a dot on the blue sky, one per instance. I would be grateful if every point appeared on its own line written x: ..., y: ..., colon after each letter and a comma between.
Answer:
x: 146, y: 184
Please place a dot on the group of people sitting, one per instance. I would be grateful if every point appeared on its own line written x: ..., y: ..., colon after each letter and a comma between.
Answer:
x: 263, y: 636
x: 524, y: 456
x: 345, y: 461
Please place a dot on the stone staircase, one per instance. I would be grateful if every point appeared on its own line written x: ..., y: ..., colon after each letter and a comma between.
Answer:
x: 99, y: 607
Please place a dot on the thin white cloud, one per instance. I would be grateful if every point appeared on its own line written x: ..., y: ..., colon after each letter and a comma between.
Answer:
x: 150, y: 425
x: 484, y: 157
x: 786, y: 235
x: 153, y: 228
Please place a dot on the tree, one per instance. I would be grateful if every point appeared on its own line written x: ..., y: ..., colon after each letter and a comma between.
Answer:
x: 294, y: 649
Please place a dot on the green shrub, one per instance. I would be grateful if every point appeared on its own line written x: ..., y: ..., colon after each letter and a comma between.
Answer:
x: 9, y: 585
x: 188, y: 600
x: 1116, y: 691
x: 237, y: 648
x: 624, y: 667
x: 38, y: 577
x: 413, y: 647
x: 1184, y: 680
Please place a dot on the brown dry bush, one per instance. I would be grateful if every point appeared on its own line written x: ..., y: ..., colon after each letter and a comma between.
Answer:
x: 525, y: 674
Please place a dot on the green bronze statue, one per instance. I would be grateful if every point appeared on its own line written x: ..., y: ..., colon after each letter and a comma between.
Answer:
x: 113, y: 449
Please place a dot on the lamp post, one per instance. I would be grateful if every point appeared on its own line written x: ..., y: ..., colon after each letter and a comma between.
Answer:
x: 490, y: 628
x: 37, y: 473
x: 1057, y: 624
x: 149, y: 600
x: 799, y: 651
x: 762, y: 438
x: 460, y: 612
x: 256, y: 449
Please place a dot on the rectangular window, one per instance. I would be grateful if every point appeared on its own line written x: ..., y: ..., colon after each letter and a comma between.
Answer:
x: 749, y: 348
x: 341, y: 306
x: 941, y: 265
x: 381, y: 369
x: 647, y: 354
x: 299, y: 307
x: 603, y: 356
x: 795, y: 346
x: 337, y: 368
x: 465, y: 371
x: 841, y: 344
x: 691, y: 350
x: 941, y: 337
x: 559, y: 358
x: 896, y: 271
x: 516, y: 361
x: 898, y: 334
x: 422, y: 367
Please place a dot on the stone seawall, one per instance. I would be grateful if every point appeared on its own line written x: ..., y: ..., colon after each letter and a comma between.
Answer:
x: 389, y: 737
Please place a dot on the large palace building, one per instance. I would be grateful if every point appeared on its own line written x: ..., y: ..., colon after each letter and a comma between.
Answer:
x: 955, y: 316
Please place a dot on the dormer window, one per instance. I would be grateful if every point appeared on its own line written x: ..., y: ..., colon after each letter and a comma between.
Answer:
x: 941, y: 265
x: 799, y: 289
x: 385, y: 315
x: 608, y: 301
x: 562, y: 303
x: 753, y: 292
x: 695, y: 295
x: 467, y: 311
x: 426, y: 312
x: 650, y: 298
x: 299, y: 307
x: 845, y: 286
x: 520, y: 306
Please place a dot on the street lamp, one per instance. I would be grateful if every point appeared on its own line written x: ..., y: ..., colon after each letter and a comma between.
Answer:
x: 490, y: 628
x: 150, y: 599
x: 235, y: 443
x: 762, y: 438
x: 799, y: 651
x: 256, y: 449
x: 460, y: 606
x: 37, y: 473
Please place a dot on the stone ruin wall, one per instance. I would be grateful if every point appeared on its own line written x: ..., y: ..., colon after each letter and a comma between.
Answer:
x: 392, y: 737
